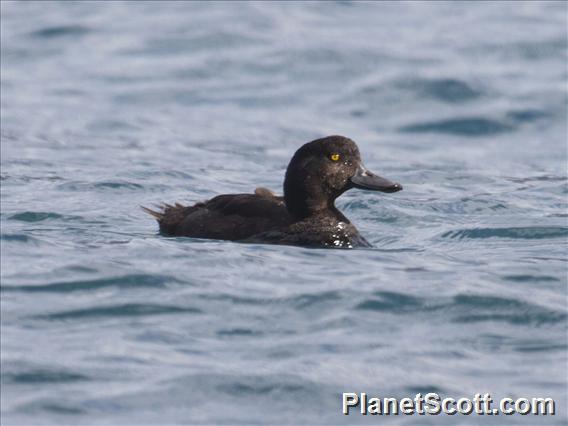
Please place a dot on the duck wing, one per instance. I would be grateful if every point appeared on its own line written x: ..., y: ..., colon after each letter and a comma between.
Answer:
x: 225, y: 217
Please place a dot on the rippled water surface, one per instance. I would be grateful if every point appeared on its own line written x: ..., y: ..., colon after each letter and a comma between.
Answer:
x: 107, y: 106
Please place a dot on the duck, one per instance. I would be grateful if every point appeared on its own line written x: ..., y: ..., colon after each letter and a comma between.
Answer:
x: 319, y: 172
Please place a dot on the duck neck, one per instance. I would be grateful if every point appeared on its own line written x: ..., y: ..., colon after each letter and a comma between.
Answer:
x: 303, y: 208
x: 302, y: 203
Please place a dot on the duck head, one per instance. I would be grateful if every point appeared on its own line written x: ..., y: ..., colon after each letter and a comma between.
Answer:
x: 322, y: 170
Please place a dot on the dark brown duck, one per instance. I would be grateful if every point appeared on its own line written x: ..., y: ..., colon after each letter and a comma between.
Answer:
x: 319, y: 172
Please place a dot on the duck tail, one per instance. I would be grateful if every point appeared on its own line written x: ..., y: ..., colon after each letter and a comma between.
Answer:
x: 157, y: 215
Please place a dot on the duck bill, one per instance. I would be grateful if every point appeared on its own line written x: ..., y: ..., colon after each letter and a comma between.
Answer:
x: 364, y: 179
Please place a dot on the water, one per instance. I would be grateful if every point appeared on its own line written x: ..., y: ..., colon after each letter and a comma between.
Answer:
x: 107, y: 106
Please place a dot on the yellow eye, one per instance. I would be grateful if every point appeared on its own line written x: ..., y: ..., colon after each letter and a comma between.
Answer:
x: 334, y: 157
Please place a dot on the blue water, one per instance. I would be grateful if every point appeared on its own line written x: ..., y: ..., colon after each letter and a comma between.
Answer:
x: 108, y: 105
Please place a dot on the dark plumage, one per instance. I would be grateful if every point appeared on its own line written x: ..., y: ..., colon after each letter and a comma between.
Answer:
x: 319, y: 172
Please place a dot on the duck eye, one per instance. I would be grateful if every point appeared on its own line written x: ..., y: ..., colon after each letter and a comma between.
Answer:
x: 334, y: 157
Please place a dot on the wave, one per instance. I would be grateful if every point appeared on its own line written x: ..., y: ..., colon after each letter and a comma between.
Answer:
x: 61, y: 31
x: 122, y: 310
x: 465, y: 308
x: 468, y: 126
x: 126, y: 281
x: 524, y: 233
x: 449, y: 90
x: 43, y: 375
x: 39, y: 216
x: 20, y: 238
